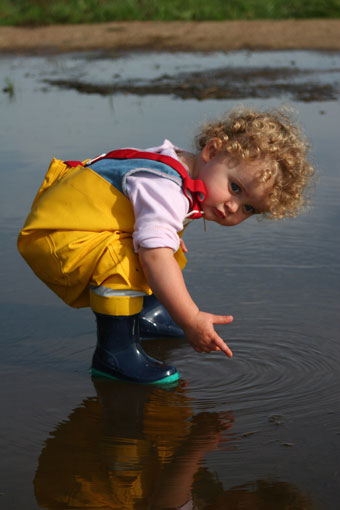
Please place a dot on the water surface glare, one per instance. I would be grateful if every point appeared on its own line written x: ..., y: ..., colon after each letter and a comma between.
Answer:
x: 260, y: 431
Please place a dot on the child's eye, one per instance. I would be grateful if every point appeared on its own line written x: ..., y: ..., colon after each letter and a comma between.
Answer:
x: 249, y: 209
x: 235, y: 187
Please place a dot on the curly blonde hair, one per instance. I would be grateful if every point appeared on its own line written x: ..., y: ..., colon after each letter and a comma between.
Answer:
x: 274, y: 138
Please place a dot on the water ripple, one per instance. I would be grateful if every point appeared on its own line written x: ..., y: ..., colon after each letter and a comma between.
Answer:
x: 275, y: 372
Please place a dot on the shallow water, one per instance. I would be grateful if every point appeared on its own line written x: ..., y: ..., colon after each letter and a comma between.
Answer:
x: 259, y: 431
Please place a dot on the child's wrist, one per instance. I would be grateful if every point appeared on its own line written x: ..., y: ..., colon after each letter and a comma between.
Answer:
x: 188, y: 318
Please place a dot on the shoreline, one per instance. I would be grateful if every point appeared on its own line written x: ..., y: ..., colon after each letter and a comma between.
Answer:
x: 206, y: 36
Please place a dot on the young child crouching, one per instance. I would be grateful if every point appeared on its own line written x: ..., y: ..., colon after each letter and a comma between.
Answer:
x: 105, y: 233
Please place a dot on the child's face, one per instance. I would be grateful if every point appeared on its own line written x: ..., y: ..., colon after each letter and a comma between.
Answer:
x: 234, y: 192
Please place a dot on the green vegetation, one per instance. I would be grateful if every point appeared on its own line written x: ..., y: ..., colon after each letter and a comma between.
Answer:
x: 44, y: 12
x: 8, y: 88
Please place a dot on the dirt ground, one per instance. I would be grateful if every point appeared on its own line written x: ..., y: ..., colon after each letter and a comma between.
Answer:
x: 173, y: 36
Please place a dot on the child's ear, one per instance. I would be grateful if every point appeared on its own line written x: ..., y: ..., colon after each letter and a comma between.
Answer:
x: 211, y: 149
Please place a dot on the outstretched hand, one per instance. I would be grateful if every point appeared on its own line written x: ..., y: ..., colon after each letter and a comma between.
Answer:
x: 202, y: 335
x: 166, y: 280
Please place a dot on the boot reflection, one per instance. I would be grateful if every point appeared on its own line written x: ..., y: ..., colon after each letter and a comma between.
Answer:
x: 125, y: 449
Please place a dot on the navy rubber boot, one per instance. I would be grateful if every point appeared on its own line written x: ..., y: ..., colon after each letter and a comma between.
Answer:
x: 155, y: 321
x: 119, y: 354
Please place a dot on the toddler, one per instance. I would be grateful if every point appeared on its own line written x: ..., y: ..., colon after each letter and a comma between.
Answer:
x: 105, y: 232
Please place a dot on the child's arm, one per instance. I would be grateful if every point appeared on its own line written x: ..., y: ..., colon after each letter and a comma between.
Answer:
x: 166, y: 280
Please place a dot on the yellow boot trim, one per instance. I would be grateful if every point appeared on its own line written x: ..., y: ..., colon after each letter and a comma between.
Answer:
x: 121, y: 305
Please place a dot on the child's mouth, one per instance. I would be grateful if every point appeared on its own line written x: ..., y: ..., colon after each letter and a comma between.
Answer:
x: 219, y: 214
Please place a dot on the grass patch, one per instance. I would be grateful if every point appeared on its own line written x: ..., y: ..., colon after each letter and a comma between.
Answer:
x: 8, y: 88
x: 44, y: 12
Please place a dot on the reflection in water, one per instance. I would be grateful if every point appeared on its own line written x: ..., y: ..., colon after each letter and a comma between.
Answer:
x: 280, y: 281
x: 141, y: 447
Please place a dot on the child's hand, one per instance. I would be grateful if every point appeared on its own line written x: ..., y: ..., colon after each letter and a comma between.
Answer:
x: 202, y: 335
x: 166, y: 280
x: 183, y: 246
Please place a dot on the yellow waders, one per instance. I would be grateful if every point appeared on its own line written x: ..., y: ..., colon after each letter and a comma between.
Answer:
x: 78, y: 240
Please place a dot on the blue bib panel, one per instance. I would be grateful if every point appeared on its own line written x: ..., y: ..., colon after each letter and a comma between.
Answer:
x: 116, y: 171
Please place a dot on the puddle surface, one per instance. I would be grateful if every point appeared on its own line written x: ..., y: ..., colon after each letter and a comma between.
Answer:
x: 259, y: 431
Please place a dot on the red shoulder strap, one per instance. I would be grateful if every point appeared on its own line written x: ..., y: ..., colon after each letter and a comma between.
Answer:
x: 73, y: 163
x: 193, y: 189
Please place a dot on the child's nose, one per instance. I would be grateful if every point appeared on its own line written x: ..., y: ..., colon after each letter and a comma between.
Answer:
x: 232, y: 205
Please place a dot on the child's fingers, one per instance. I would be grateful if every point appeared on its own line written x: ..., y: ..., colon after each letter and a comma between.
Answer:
x: 223, y: 347
x: 183, y: 246
x: 222, y: 319
x: 219, y: 343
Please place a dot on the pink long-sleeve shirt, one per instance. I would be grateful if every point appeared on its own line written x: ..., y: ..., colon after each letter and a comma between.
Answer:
x: 159, y: 204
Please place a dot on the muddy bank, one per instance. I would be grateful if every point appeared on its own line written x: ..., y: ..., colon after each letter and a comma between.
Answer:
x: 226, y: 83
x: 174, y: 36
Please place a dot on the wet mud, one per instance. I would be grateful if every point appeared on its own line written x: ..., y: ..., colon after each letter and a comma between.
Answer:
x: 221, y: 83
x: 290, y: 34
